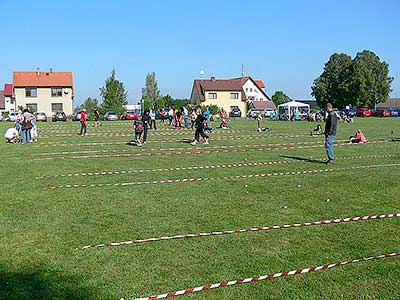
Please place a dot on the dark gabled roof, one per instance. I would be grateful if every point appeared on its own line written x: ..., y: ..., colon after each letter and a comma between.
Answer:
x: 390, y: 103
x: 261, y: 105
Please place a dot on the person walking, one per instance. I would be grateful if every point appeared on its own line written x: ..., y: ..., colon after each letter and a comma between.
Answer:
x: 138, y: 124
x: 199, y: 124
x: 185, y: 114
x: 83, y: 121
x: 330, y: 133
x: 193, y: 117
x: 152, y: 116
x: 146, y: 121
x: 96, y: 117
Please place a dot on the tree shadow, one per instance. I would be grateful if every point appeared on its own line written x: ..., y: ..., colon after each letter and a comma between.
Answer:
x: 316, y: 161
x: 42, y: 285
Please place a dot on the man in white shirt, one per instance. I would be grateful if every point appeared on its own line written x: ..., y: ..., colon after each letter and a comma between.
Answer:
x: 12, y: 135
x: 170, y: 115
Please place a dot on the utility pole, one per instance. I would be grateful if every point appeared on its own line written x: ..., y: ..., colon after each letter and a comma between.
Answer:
x: 242, y: 70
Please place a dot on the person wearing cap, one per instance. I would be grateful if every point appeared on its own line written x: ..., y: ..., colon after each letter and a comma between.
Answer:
x: 83, y: 122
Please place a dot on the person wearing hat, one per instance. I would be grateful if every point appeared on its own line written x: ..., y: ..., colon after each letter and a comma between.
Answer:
x: 83, y: 122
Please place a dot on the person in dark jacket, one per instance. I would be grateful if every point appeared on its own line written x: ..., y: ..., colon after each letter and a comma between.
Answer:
x: 146, y: 123
x: 199, y: 124
x: 330, y: 133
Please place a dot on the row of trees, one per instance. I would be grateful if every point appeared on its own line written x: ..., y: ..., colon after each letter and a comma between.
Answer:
x: 362, y: 82
x: 115, y: 98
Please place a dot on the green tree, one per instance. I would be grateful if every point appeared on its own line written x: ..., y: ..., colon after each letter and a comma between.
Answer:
x: 151, y: 92
x: 279, y: 97
x: 333, y: 85
x: 370, y: 81
x: 113, y: 94
x: 89, y: 105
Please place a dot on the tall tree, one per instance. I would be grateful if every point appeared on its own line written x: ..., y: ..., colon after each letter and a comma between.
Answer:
x: 370, y: 82
x: 113, y: 94
x: 333, y: 85
x: 89, y: 105
x: 151, y: 92
x: 279, y: 97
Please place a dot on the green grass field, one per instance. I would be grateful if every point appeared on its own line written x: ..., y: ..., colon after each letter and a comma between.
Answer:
x: 42, y: 223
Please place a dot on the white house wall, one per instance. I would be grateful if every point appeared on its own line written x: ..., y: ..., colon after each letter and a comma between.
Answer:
x: 252, y: 90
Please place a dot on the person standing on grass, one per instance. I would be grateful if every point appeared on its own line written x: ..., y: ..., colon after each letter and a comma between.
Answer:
x: 138, y: 130
x: 96, y: 118
x: 170, y: 115
x: 152, y: 116
x: 185, y: 114
x: 83, y: 121
x: 193, y: 117
x: 18, y: 121
x: 146, y: 122
x: 162, y: 114
x: 199, y: 124
x: 330, y: 133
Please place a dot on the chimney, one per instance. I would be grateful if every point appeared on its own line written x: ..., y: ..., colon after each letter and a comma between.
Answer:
x: 37, y: 71
x: 213, y: 79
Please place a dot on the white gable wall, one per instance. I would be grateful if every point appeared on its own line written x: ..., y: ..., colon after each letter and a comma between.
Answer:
x: 253, y: 92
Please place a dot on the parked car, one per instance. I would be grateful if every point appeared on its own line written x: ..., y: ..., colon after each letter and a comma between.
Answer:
x: 387, y: 113
x: 393, y: 112
x: 77, y: 116
x: 363, y: 112
x: 41, y: 116
x: 111, y: 116
x: 351, y: 112
x: 59, y: 116
x: 12, y: 117
x: 253, y: 113
x: 378, y: 113
x: 235, y: 112
x: 129, y: 115
x: 267, y: 112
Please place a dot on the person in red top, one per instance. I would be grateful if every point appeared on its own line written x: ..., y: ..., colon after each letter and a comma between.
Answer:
x: 83, y: 122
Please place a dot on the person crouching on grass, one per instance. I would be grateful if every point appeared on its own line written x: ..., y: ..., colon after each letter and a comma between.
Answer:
x: 199, y: 124
x: 12, y: 135
x: 138, y: 130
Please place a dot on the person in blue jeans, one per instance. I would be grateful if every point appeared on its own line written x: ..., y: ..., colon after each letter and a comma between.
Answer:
x: 330, y: 133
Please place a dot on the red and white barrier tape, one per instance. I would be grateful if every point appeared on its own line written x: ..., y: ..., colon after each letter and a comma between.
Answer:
x: 202, y: 151
x: 267, y: 277
x: 180, y: 148
x: 205, y: 167
x: 246, y: 230
x: 251, y: 176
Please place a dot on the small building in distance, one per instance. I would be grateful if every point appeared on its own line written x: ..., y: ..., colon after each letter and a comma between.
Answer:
x: 390, y: 103
x: 47, y: 92
x: 228, y: 93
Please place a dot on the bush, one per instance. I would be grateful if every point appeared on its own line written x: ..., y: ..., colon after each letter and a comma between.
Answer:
x: 214, y: 109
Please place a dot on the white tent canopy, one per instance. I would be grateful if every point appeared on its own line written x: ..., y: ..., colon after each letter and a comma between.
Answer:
x: 292, y: 107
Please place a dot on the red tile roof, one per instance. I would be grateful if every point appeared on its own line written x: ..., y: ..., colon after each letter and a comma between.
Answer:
x: 8, y: 90
x: 234, y: 84
x: 260, y: 84
x: 261, y: 105
x: 43, y: 79
x: 2, y: 100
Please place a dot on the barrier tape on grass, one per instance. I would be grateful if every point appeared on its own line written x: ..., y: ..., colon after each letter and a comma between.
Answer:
x: 154, y: 141
x: 179, y: 148
x: 254, y: 229
x: 269, y: 276
x: 199, y: 152
x: 205, y: 167
x: 251, y: 176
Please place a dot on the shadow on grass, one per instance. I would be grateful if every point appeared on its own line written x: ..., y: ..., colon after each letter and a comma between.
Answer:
x: 41, y: 285
x: 316, y: 161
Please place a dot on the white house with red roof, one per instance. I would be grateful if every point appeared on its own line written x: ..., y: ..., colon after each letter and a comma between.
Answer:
x: 229, y: 93
x: 9, y: 99
x: 47, y: 92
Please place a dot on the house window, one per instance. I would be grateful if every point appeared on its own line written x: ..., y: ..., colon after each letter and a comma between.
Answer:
x: 234, y: 95
x: 251, y: 89
x: 30, y: 92
x: 261, y: 99
x: 32, y: 107
x: 212, y: 95
x: 56, y: 92
x: 247, y: 89
x: 55, y: 107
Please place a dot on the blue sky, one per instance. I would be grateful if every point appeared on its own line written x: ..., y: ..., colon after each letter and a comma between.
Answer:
x: 285, y: 43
